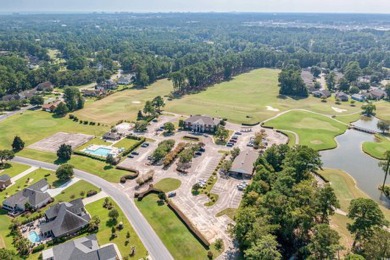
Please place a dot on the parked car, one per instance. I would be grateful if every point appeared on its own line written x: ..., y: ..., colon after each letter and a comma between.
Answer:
x: 233, y: 141
x: 171, y: 194
x: 205, y: 135
x: 155, y: 120
x: 229, y: 144
x: 135, y: 153
x: 235, y: 137
x: 237, y: 133
x: 130, y: 156
x: 202, y: 149
x: 250, y: 145
x: 145, y: 145
x: 198, y: 154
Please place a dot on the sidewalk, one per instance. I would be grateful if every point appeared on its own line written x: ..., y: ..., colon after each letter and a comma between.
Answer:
x: 56, y: 191
x: 94, y: 198
x: 21, y: 175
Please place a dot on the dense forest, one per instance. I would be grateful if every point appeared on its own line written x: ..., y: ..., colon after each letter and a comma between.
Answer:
x: 193, y: 50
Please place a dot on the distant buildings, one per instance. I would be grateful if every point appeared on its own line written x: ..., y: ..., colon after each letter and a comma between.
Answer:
x: 106, y: 85
x: 342, y: 96
x: 321, y: 93
x: 50, y: 107
x: 125, y: 79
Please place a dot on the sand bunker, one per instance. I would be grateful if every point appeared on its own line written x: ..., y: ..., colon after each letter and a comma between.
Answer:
x: 339, y: 110
x: 136, y: 102
x: 272, y: 109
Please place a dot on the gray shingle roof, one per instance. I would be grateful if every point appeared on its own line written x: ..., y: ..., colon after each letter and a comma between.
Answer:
x: 244, y: 162
x: 202, y: 120
x: 84, y: 248
x: 4, y: 177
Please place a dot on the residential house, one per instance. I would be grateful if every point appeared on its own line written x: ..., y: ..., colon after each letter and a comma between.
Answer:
x: 27, y: 94
x: 86, y: 248
x: 45, y: 86
x: 125, y: 79
x: 342, y: 96
x: 35, y: 196
x: 358, y: 97
x: 112, y: 136
x: 5, y: 181
x: 322, y: 93
x: 376, y: 94
x: 243, y: 164
x: 106, y: 85
x: 201, y: 124
x: 93, y: 92
x: 10, y: 97
x: 50, y: 107
x: 64, y: 219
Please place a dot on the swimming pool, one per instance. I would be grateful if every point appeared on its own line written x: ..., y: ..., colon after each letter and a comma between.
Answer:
x: 101, y: 151
x: 34, y: 237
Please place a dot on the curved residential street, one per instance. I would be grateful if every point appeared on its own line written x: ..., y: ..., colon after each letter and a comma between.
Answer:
x: 149, y: 238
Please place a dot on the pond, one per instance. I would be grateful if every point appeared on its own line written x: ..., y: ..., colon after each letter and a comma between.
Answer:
x: 349, y: 157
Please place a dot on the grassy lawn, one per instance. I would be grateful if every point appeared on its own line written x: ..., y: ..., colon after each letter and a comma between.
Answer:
x: 125, y: 143
x: 168, y: 184
x: 180, y: 242
x: 339, y: 223
x: 92, y: 166
x: 33, y: 126
x: 315, y: 131
x: 346, y: 190
x: 123, y: 105
x: 30, y: 179
x: 383, y: 110
x: 75, y: 191
x: 245, y: 98
x: 230, y: 212
x: 13, y: 169
x: 377, y: 149
x: 104, y: 233
x: 5, y: 239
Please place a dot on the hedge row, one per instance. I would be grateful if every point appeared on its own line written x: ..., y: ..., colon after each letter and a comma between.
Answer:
x: 134, y: 146
x: 254, y: 124
x: 171, y: 156
x: 191, y: 138
x: 90, y: 156
x: 134, y: 137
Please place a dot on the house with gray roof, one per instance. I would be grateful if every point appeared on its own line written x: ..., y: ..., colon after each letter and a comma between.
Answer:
x: 5, y: 181
x: 65, y: 218
x: 126, y: 79
x: 243, y: 164
x: 85, y: 248
x: 35, y: 196
x: 376, y: 94
x: 201, y: 124
x: 342, y: 96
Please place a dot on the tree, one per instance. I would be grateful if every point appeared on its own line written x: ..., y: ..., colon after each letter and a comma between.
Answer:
x: 110, y: 159
x: 6, y: 254
x: 384, y: 126
x: 61, y: 109
x: 162, y: 196
x: 352, y: 71
x: 219, y: 244
x: 73, y: 98
x: 387, y: 90
x: 140, y: 116
x: 94, y: 224
x: 186, y: 156
x: 158, y: 103
x: 386, y: 168
x: 6, y: 155
x: 316, y: 71
x: 344, y: 84
x: 17, y: 144
x: 378, y: 246
x: 113, y: 214
x: 265, y: 248
x: 369, y: 109
x: 37, y: 100
x: 366, y: 216
x: 325, y: 242
x: 181, y: 123
x: 354, y: 257
x: 65, y: 172
x: 331, y: 81
x: 226, y: 166
x: 291, y: 83
x: 235, y: 152
x: 169, y: 127
x: 222, y: 133
x: 326, y: 202
x: 149, y: 109
x: 141, y: 126
x: 64, y: 152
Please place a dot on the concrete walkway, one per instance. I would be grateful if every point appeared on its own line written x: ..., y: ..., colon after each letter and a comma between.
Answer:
x: 57, y: 191
x: 21, y: 175
x: 95, y: 197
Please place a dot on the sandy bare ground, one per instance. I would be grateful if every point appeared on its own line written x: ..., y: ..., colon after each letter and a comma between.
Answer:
x: 52, y: 143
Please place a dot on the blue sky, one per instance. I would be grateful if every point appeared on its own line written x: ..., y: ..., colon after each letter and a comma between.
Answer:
x: 338, y: 6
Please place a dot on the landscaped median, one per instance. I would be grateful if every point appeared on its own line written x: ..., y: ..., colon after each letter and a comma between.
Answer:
x: 314, y: 130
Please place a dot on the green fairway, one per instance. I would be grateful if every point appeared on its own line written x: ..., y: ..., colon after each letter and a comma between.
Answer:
x: 168, y: 184
x: 377, y: 149
x: 33, y: 126
x: 13, y: 169
x: 174, y: 234
x: 104, y: 233
x: 5, y: 238
x: 76, y: 191
x: 123, y: 105
x: 245, y: 98
x: 383, y: 110
x: 315, y: 131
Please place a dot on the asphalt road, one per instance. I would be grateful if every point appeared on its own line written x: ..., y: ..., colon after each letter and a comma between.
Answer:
x: 149, y: 238
x: 8, y: 114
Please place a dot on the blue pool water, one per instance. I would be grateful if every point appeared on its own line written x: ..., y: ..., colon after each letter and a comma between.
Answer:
x: 101, y: 151
x: 34, y: 237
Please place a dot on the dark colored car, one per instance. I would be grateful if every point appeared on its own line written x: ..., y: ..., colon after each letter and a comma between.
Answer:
x: 135, y: 153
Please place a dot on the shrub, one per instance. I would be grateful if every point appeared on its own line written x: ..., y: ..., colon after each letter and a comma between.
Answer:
x: 38, y: 248
x: 91, y: 193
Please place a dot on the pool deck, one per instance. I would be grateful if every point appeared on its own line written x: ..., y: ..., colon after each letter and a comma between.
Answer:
x: 94, y: 147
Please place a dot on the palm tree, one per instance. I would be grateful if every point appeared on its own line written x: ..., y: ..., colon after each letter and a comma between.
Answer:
x: 386, y: 167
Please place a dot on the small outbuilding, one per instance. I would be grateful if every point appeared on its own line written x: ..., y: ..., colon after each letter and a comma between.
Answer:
x: 5, y: 181
x: 243, y: 164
